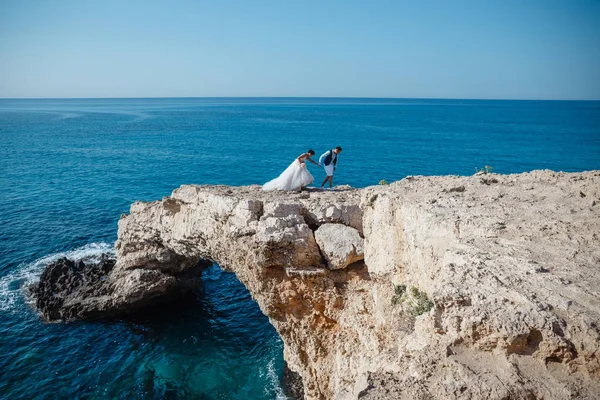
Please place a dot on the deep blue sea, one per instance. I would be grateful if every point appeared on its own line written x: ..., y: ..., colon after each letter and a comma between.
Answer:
x: 69, y: 168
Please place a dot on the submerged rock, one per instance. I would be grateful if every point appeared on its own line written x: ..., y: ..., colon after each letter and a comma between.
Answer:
x: 292, y: 384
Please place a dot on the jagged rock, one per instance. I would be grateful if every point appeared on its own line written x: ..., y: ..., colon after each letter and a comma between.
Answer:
x: 493, y: 328
x: 64, y: 281
x: 292, y: 384
x: 341, y: 245
x: 69, y: 290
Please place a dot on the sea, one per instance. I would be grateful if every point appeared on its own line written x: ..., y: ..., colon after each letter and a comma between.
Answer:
x: 70, y: 167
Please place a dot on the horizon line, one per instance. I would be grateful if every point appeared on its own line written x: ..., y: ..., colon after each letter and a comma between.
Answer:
x: 289, y: 97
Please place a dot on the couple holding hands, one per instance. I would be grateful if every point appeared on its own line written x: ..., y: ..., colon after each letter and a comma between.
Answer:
x: 297, y: 176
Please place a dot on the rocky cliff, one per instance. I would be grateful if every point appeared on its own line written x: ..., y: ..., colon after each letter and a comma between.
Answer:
x: 431, y: 287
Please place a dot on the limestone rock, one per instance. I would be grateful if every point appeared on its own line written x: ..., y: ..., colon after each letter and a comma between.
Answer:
x: 505, y: 270
x: 341, y: 245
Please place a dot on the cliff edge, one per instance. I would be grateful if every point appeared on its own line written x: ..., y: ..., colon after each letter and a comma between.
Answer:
x: 431, y: 287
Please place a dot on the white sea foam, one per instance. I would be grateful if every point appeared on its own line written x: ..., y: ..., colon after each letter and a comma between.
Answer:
x: 275, y: 385
x: 67, y: 115
x: 60, y: 115
x: 138, y: 116
x: 286, y: 121
x: 25, y: 274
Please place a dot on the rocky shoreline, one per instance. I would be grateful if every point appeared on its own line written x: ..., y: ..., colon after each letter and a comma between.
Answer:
x: 431, y: 287
x: 69, y: 290
x: 65, y: 281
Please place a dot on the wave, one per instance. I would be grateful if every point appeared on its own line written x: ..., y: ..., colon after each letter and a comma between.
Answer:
x: 28, y: 273
x: 60, y: 115
x: 67, y: 115
x: 274, y: 382
x: 137, y: 116
x: 286, y: 121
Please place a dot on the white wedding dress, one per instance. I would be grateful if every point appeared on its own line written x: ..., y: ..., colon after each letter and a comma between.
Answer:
x: 294, y: 176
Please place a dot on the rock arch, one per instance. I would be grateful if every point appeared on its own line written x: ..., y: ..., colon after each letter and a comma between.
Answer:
x: 268, y: 241
x: 510, y: 279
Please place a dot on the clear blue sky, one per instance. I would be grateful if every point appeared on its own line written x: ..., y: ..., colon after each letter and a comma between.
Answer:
x: 508, y: 49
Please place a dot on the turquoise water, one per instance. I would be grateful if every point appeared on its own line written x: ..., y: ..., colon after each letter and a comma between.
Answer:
x: 71, y: 167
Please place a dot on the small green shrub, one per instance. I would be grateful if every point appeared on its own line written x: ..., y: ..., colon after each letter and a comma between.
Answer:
x: 383, y: 182
x: 422, y: 304
x: 399, y: 291
x: 486, y: 169
x: 413, y: 301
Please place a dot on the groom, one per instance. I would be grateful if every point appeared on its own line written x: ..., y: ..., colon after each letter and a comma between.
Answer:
x: 329, y: 162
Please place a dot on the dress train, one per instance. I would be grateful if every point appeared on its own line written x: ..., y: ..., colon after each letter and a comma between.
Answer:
x: 294, y: 177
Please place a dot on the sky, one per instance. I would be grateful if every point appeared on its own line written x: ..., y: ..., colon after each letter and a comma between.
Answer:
x: 478, y: 49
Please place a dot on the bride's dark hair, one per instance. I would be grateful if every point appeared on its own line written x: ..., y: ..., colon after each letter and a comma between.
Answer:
x: 311, y: 151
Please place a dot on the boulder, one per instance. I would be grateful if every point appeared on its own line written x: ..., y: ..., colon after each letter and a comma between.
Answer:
x: 341, y: 245
x: 65, y: 280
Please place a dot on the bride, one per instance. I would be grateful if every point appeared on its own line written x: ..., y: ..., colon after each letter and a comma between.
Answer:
x: 295, y: 177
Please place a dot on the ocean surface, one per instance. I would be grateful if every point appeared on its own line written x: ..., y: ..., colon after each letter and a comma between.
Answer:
x: 69, y: 168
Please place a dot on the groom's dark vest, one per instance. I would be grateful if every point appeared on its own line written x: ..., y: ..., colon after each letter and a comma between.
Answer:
x: 329, y: 157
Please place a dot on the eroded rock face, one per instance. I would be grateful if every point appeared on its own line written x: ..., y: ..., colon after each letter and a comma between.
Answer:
x: 471, y: 287
x: 509, y: 262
